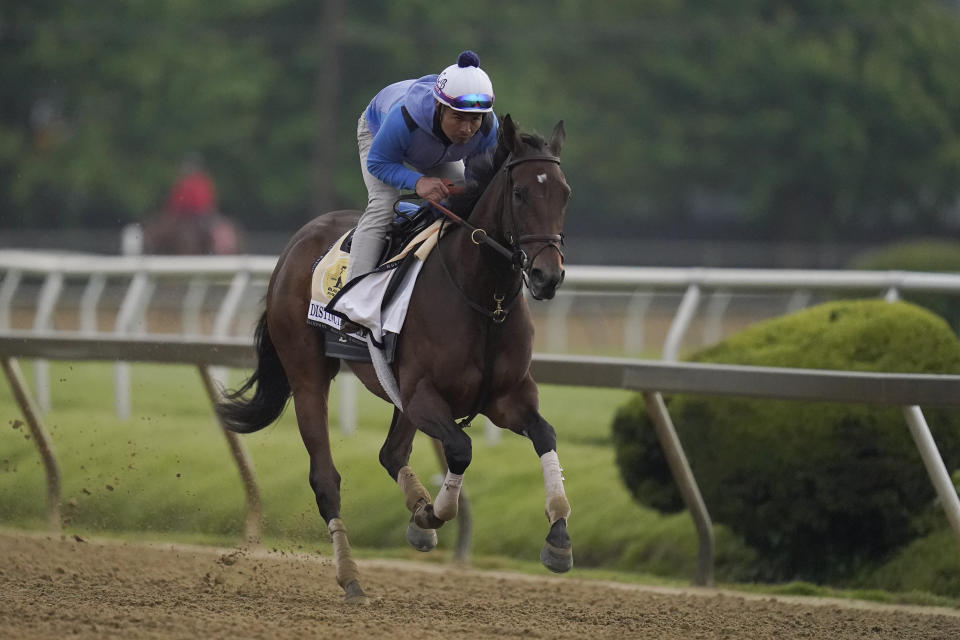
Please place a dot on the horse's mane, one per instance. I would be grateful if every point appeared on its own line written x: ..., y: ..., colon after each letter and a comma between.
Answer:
x: 483, y: 170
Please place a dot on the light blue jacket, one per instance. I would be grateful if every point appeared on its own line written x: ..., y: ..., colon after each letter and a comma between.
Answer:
x: 406, y: 131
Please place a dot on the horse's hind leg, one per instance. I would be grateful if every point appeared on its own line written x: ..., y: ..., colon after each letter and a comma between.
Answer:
x: 394, y: 456
x: 310, y: 399
x: 309, y: 372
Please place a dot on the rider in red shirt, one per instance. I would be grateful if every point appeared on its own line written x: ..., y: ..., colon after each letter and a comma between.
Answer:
x: 194, y: 194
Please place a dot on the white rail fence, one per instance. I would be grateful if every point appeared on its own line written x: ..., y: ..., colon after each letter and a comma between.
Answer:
x: 220, y: 296
x: 652, y: 378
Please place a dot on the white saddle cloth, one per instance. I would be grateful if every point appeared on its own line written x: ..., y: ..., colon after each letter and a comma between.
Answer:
x: 362, y: 302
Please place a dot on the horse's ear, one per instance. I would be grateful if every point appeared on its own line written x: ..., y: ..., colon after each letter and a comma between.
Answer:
x: 510, y: 135
x: 556, y: 139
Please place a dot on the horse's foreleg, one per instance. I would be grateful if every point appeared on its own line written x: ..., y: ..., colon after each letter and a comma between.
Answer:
x: 394, y: 455
x: 519, y: 413
x: 448, y: 498
x: 544, y: 439
x: 557, y: 552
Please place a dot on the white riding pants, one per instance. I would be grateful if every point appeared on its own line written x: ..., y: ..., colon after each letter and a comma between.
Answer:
x: 371, y: 235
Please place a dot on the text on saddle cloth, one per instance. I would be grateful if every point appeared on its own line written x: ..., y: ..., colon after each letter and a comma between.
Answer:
x: 363, y: 301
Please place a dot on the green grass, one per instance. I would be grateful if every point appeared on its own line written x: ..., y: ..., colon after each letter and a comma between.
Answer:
x: 166, y: 474
x: 170, y: 470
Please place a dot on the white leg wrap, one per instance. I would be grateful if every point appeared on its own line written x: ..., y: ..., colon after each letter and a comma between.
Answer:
x: 556, y: 504
x: 445, y: 506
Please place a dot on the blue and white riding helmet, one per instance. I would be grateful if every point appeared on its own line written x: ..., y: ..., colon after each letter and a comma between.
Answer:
x: 465, y: 86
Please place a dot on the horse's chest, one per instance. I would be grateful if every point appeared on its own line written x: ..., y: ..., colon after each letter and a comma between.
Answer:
x: 483, y: 364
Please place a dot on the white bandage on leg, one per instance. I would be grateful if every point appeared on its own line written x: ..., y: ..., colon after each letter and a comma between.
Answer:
x: 556, y: 504
x: 445, y: 506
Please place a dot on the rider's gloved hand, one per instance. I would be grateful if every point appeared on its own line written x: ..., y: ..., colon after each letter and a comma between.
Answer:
x: 435, y: 189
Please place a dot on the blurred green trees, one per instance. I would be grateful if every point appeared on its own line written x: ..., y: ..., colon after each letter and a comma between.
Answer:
x: 803, y: 119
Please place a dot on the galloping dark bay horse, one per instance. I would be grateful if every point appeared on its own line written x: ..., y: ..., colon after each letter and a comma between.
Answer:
x: 465, y: 347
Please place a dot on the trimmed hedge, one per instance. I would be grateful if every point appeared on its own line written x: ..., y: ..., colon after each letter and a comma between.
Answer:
x: 822, y: 491
x: 924, y: 254
x: 919, y: 255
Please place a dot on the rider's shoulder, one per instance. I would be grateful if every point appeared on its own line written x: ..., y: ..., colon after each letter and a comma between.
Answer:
x: 419, y: 101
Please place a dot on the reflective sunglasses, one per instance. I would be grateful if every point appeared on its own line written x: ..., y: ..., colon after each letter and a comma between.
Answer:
x: 471, y: 101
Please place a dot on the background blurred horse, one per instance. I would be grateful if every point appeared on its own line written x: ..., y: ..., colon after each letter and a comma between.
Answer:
x: 210, y: 234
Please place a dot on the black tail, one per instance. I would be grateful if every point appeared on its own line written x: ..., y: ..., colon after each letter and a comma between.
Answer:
x: 270, y: 396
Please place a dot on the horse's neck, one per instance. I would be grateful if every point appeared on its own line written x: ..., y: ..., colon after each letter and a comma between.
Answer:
x: 479, y: 271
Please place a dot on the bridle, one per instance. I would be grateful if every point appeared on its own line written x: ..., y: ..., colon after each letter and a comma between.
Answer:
x: 514, y: 254
x: 518, y: 258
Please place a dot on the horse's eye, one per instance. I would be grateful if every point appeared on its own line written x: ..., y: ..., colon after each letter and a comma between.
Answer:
x: 518, y: 193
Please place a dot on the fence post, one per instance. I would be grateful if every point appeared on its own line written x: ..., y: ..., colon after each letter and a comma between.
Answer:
x: 89, y: 301
x: 713, y: 321
x: 7, y: 290
x: 683, y: 476
x: 633, y: 327
x: 226, y: 313
x: 557, y: 313
x: 131, y: 240
x: 130, y: 309
x: 253, y: 520
x: 799, y: 299
x: 681, y: 321
x: 190, y: 313
x: 40, y: 436
x: 46, y: 303
x: 930, y: 455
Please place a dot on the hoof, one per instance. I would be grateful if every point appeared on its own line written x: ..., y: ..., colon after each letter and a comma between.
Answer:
x: 557, y: 552
x: 353, y: 594
x: 421, y: 539
x: 556, y: 559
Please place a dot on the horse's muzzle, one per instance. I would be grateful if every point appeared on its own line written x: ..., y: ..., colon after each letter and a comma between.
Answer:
x: 543, y: 285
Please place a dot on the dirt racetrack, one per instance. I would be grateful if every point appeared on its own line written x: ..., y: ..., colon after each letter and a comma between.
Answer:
x: 57, y: 586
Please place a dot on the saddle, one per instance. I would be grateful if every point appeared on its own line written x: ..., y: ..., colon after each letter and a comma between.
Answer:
x: 347, y: 340
x: 410, y: 220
